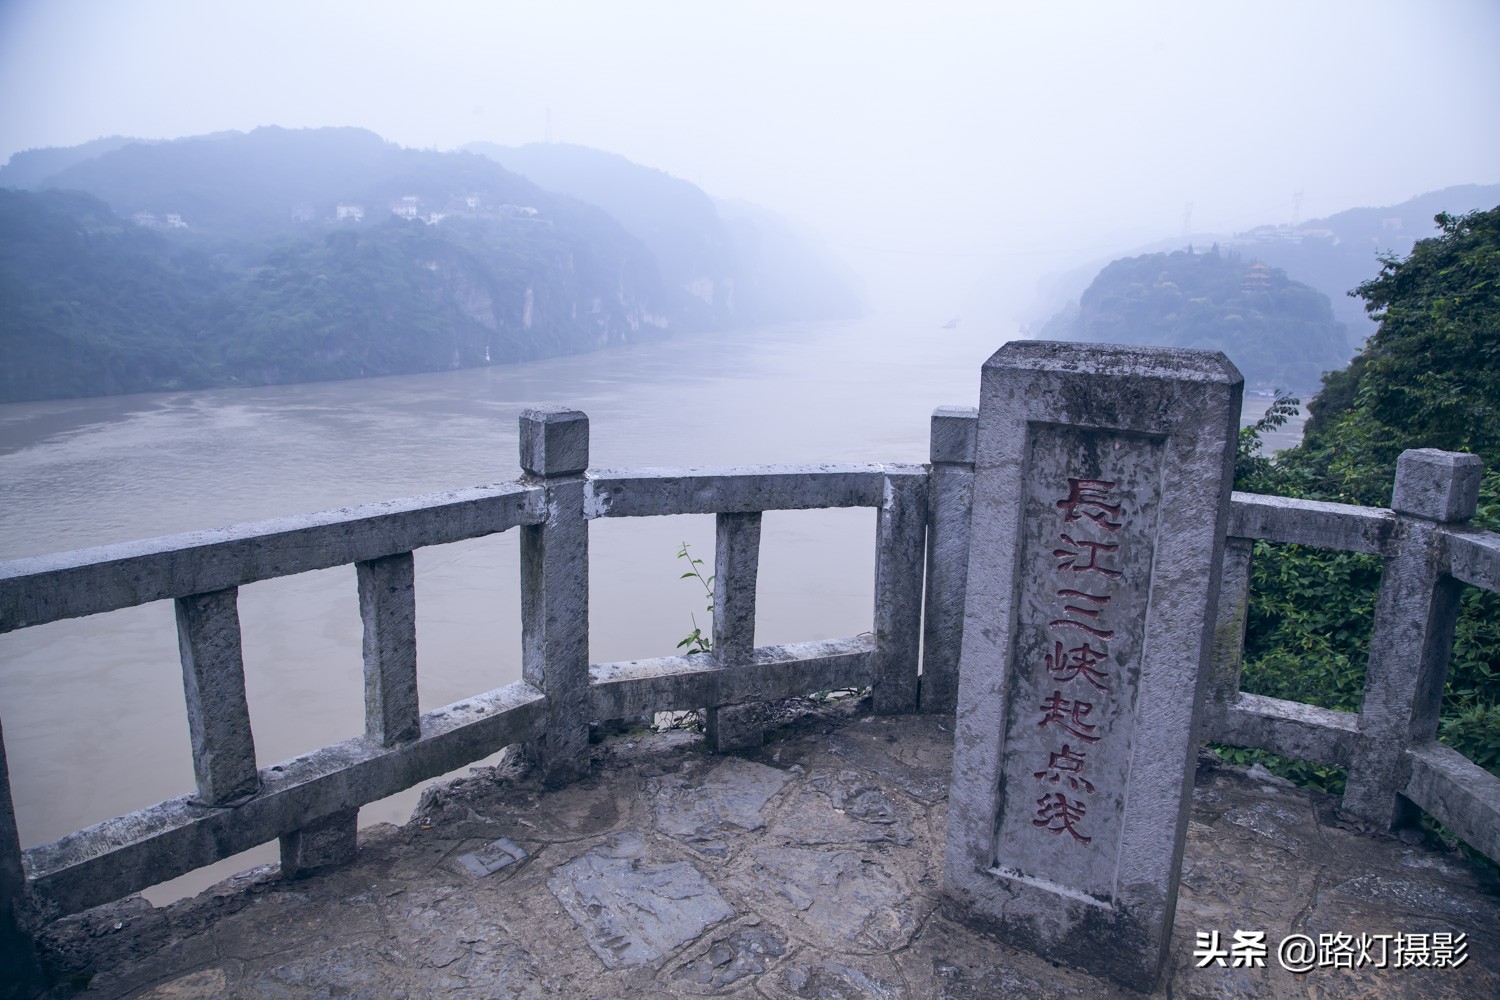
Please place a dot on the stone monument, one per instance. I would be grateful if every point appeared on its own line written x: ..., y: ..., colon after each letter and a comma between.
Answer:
x: 1101, y: 495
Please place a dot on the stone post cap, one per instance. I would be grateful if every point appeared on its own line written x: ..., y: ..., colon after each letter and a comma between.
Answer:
x: 955, y: 431
x: 554, y: 441
x: 1117, y: 360
x: 1437, y: 485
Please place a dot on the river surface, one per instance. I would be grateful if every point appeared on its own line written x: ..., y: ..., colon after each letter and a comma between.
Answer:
x: 92, y: 708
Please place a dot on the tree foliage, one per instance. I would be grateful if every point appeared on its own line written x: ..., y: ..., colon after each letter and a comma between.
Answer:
x: 1429, y: 378
x: 1276, y: 330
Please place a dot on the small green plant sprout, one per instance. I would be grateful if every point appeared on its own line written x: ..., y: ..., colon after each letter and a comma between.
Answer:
x: 696, y: 641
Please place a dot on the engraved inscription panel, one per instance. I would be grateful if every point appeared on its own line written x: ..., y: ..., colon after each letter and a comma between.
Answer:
x: 1088, y: 527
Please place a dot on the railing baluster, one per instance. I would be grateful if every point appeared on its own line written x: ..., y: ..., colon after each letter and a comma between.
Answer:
x: 213, y: 680
x: 555, y: 588
x: 325, y: 843
x: 17, y: 951
x: 950, y: 499
x: 1415, y: 614
x: 1229, y: 631
x: 901, y: 537
x: 736, y: 564
x: 388, y: 606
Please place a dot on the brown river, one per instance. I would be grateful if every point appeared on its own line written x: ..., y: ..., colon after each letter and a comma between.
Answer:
x: 92, y: 709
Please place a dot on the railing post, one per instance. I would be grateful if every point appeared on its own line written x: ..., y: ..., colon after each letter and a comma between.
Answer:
x: 555, y: 588
x: 1413, y: 634
x: 736, y: 563
x: 900, y: 545
x: 213, y: 680
x: 325, y: 843
x: 388, y: 606
x: 1229, y: 631
x: 23, y: 973
x: 950, y: 498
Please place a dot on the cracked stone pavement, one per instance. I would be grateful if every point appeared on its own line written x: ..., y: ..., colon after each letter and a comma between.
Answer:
x: 811, y: 868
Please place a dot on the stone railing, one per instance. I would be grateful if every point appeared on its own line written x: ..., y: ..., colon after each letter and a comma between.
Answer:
x: 311, y: 802
x: 1395, y: 764
x: 1389, y: 747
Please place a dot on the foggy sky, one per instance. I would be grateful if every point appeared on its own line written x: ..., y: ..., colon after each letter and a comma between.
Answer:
x: 937, y: 149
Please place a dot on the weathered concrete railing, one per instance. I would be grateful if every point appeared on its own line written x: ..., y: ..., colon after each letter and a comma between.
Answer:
x: 1389, y: 747
x: 1107, y: 566
x: 311, y: 802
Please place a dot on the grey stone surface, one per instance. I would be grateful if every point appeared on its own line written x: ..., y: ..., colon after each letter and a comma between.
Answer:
x: 1474, y: 557
x: 1437, y: 485
x: 1415, y: 614
x: 129, y: 853
x: 855, y: 919
x: 555, y: 590
x: 1101, y: 494
x: 632, y: 688
x: 554, y: 441
x: 1311, y: 522
x: 900, y: 551
x: 736, y: 565
x: 326, y: 843
x: 17, y: 953
x: 213, y: 681
x: 631, y: 909
x: 736, y: 489
x: 1458, y: 793
x: 954, y: 434
x: 844, y: 808
x: 39, y: 589
x: 706, y: 811
x: 741, y: 954
x: 950, y: 495
x: 492, y: 857
x: 1305, y: 732
x: 1229, y: 627
x: 388, y: 608
x: 837, y: 900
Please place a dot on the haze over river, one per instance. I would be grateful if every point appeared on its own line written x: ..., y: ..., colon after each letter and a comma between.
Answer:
x: 93, y: 708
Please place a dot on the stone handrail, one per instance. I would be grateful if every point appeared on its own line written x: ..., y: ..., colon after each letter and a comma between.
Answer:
x: 1389, y: 748
x: 311, y: 802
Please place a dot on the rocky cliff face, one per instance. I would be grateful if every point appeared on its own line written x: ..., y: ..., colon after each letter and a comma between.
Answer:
x: 297, y: 256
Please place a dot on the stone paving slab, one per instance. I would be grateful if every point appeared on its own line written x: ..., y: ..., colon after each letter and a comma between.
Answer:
x: 810, y: 868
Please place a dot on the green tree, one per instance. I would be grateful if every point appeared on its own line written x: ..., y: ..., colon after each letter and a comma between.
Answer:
x: 1428, y: 378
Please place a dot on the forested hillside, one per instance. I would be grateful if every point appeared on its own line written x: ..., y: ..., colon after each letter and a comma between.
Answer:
x: 1429, y: 378
x: 1332, y: 254
x: 726, y: 263
x: 295, y: 255
x: 1278, y: 331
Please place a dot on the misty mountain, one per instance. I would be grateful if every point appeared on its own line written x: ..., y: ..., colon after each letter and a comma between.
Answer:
x: 282, y: 256
x: 32, y: 167
x: 731, y: 264
x: 1279, y: 332
x: 1333, y: 254
x: 1338, y: 253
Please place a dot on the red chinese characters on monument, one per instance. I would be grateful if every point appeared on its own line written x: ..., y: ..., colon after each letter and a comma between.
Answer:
x: 1088, y: 546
